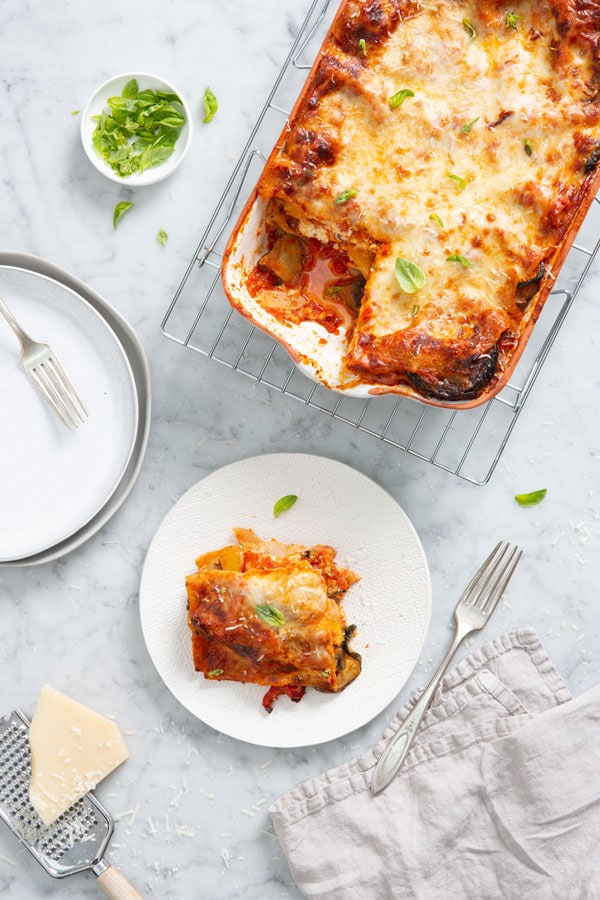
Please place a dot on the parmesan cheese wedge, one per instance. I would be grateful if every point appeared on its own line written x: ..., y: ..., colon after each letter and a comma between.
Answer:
x: 72, y: 749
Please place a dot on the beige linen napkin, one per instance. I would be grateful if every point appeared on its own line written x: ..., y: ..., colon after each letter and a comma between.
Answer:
x: 499, y: 796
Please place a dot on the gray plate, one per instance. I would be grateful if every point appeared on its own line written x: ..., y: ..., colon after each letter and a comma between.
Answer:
x: 141, y: 375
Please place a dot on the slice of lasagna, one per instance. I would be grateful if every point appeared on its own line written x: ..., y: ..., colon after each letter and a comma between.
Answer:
x: 270, y: 613
x: 428, y: 186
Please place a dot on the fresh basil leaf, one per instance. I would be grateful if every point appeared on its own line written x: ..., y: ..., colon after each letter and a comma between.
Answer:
x: 531, y: 499
x: 75, y: 112
x: 456, y: 257
x: 409, y: 275
x: 210, y: 104
x: 344, y: 196
x: 154, y: 156
x: 470, y: 29
x: 271, y: 615
x: 512, y: 20
x: 468, y: 125
x: 120, y: 210
x: 435, y: 218
x: 138, y: 129
x: 399, y: 97
x: 284, y: 503
x: 131, y: 89
x: 460, y: 181
x: 415, y: 311
x: 162, y: 237
x: 214, y: 673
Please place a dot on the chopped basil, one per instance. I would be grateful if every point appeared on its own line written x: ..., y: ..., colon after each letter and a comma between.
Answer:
x: 362, y: 46
x: 215, y: 672
x: 456, y: 257
x: 531, y: 499
x: 415, y: 311
x: 326, y: 673
x: 162, y: 237
x: 270, y: 615
x: 138, y: 129
x: 399, y: 97
x: 470, y: 29
x: 437, y: 219
x: 284, y: 503
x: 210, y: 105
x: 409, y: 275
x: 512, y: 20
x: 344, y: 196
x: 120, y: 210
x: 460, y: 181
x: 333, y: 290
x: 528, y: 147
x: 468, y: 125
x: 75, y: 112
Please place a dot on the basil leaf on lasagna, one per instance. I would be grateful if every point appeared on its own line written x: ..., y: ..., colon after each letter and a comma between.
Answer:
x: 399, y: 97
x: 409, y: 275
x: 270, y: 615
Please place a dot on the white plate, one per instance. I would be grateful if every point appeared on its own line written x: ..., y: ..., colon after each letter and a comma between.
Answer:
x: 336, y: 505
x: 52, y: 480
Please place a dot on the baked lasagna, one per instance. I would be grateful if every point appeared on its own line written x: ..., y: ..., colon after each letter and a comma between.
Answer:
x: 270, y: 614
x: 411, y: 220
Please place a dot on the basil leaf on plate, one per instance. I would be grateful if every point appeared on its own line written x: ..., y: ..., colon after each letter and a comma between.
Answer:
x: 284, y: 503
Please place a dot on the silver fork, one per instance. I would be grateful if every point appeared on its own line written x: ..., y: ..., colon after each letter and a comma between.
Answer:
x: 48, y: 375
x: 473, y: 610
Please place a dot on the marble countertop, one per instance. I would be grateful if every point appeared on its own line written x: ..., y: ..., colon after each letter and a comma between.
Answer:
x: 191, y: 804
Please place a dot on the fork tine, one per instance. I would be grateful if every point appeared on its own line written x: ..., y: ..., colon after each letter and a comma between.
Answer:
x: 68, y: 386
x: 479, y: 575
x: 55, y: 382
x: 501, y: 582
x: 51, y: 398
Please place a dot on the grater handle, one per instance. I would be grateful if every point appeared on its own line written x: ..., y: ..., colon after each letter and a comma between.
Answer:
x: 116, y: 885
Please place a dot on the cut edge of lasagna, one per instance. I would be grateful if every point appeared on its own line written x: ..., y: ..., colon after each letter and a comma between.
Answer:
x: 268, y: 613
x: 427, y: 187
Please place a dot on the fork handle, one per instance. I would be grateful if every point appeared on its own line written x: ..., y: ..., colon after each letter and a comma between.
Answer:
x: 394, y: 752
x: 12, y: 321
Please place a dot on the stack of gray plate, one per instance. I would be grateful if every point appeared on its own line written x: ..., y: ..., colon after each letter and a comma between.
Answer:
x: 58, y: 487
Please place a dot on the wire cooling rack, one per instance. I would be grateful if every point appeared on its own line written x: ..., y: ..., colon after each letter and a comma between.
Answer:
x: 466, y: 443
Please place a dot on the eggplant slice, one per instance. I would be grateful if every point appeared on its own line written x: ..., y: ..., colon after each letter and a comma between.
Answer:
x: 465, y: 383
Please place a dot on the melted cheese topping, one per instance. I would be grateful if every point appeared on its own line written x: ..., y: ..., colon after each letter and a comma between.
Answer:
x: 474, y: 176
x: 268, y: 613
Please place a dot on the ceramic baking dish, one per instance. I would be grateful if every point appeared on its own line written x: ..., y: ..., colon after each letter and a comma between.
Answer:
x: 451, y: 197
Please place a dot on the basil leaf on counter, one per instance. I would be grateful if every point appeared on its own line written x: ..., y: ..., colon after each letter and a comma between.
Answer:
x: 210, y: 105
x: 270, y: 615
x: 284, y: 503
x: 120, y: 210
x: 345, y: 195
x: 399, y: 97
x: 456, y: 257
x: 409, y: 275
x: 531, y: 499
x: 162, y: 237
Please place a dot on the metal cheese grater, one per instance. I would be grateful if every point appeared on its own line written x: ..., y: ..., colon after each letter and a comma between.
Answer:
x: 79, y: 837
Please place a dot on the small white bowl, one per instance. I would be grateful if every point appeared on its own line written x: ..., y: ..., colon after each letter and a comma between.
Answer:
x: 99, y: 101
